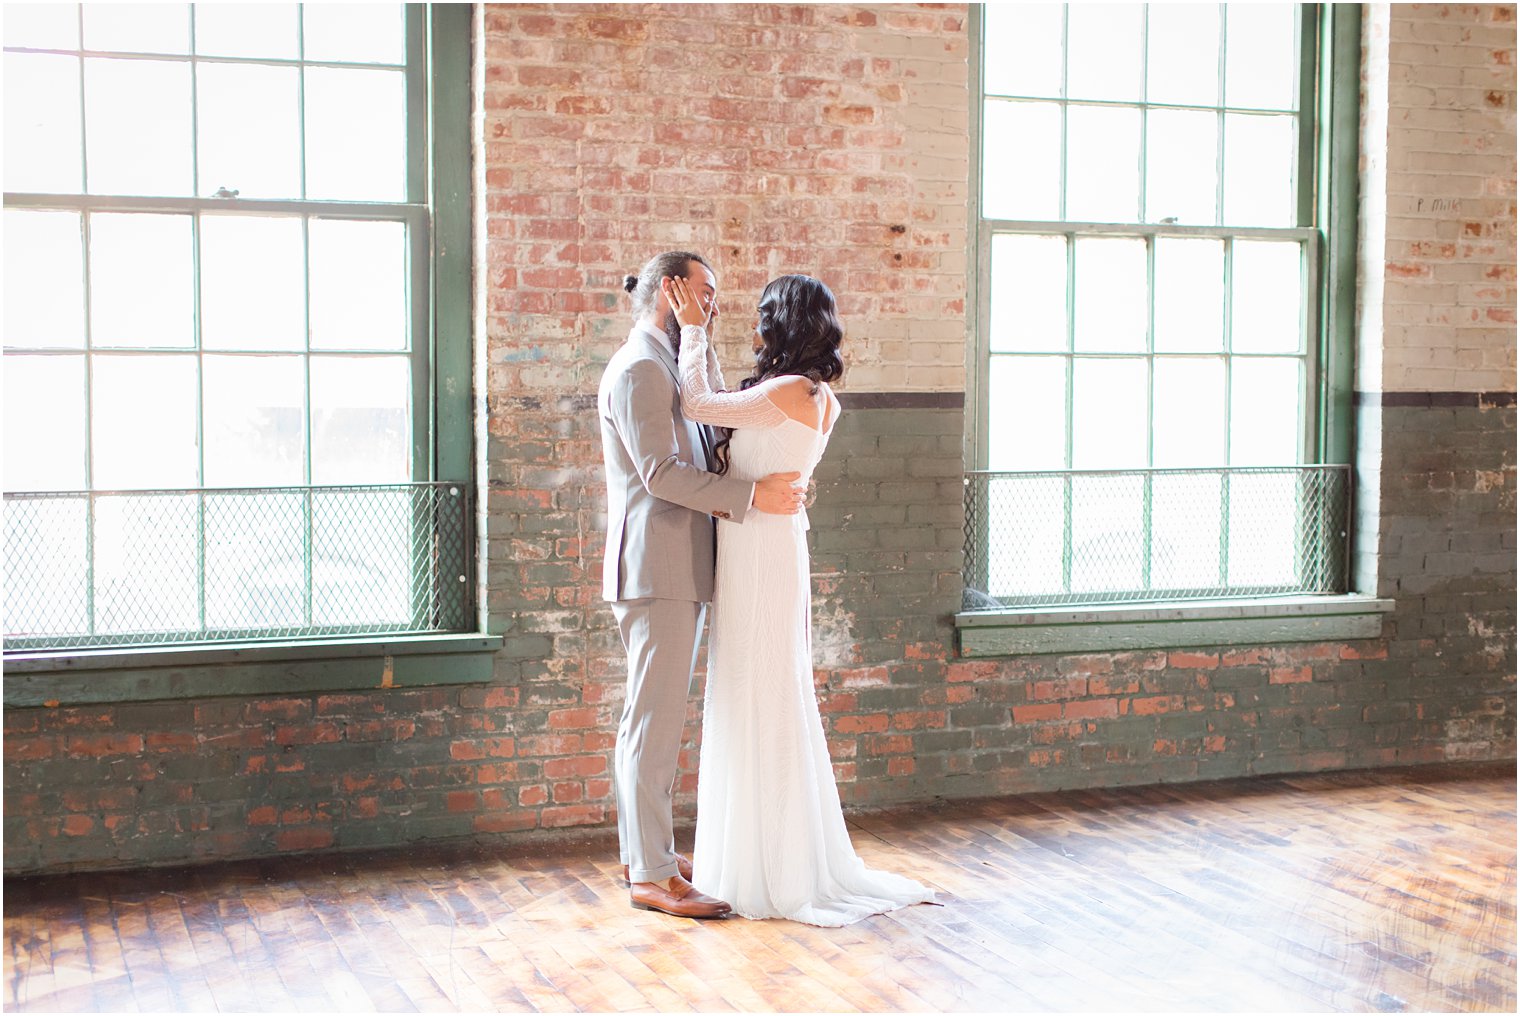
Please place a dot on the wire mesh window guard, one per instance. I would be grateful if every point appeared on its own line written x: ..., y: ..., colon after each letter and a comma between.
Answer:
x: 1120, y: 536
x: 108, y: 568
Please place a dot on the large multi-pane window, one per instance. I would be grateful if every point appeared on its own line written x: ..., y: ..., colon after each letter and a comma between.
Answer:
x: 218, y: 409
x: 1148, y: 320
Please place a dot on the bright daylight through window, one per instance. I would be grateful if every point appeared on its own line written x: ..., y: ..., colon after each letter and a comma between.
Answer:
x: 216, y: 327
x: 1149, y: 319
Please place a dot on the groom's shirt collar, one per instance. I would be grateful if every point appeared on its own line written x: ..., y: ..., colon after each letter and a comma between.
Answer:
x: 653, y: 332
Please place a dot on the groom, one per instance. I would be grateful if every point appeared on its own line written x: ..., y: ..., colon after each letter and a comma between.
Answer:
x: 658, y: 572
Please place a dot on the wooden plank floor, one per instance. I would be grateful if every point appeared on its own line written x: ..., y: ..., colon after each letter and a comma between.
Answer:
x: 1368, y: 891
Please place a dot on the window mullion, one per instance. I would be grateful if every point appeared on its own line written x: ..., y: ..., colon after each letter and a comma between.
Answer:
x: 1065, y: 107
x: 1068, y: 530
x: 1148, y: 493
x: 1229, y: 410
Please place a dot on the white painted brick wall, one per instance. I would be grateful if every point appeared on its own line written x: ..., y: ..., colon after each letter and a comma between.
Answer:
x: 1438, y: 198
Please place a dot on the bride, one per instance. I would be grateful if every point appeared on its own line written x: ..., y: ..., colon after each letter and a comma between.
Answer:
x: 771, y: 837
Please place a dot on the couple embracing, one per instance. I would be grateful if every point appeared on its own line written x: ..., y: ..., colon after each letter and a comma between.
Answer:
x: 683, y: 455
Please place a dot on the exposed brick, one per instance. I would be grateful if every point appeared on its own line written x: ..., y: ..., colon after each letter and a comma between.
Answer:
x: 489, y: 698
x: 310, y: 733
x: 1035, y: 714
x: 164, y: 741
x: 572, y: 719
x: 1044, y: 691
x: 1290, y: 675
x: 1106, y: 708
x: 575, y: 814
x: 462, y: 800
x: 580, y: 766
x: 278, y: 709
x: 1157, y: 704
x: 105, y: 745
x: 304, y: 838
x: 505, y: 822
x: 875, y: 723
x: 21, y: 748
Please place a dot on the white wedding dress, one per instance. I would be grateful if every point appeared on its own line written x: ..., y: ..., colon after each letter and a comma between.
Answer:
x: 771, y: 838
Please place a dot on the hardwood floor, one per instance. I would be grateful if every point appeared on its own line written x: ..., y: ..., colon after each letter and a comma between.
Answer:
x: 1368, y: 891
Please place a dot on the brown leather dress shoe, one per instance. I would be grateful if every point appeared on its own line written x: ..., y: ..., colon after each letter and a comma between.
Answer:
x: 683, y: 868
x: 680, y: 900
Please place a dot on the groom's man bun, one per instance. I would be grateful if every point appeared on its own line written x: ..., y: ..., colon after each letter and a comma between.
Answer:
x: 645, y: 286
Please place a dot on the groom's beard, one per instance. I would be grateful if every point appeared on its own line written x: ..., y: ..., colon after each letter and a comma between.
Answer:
x: 673, y: 331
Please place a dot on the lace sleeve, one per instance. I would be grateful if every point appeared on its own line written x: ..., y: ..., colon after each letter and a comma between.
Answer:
x: 699, y: 402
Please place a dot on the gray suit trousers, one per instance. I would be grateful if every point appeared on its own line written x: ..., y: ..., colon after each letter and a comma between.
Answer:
x: 661, y: 639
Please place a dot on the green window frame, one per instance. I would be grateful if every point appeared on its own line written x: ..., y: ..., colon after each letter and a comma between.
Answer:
x: 434, y: 504
x: 1324, y: 227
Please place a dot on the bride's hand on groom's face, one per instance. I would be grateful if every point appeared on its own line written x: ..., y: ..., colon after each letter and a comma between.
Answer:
x: 689, y: 310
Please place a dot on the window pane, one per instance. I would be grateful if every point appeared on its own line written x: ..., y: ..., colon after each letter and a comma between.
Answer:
x: 255, y: 420
x: 1028, y: 293
x: 44, y: 279
x: 253, y: 286
x: 267, y: 30
x: 360, y: 33
x: 1026, y: 561
x: 255, y: 560
x: 1107, y: 533
x: 1026, y: 413
x: 1267, y: 308
x: 143, y: 422
x: 1263, y: 525
x: 1021, y: 160
x: 249, y: 130
x: 42, y: 26
x: 1264, y: 411
x: 137, y: 28
x: 146, y: 565
x: 1261, y: 55
x: 44, y: 422
x: 361, y: 573
x: 1183, y: 66
x: 1259, y: 153
x: 53, y: 600
x: 1188, y: 414
x: 42, y: 146
x: 1109, y: 413
x: 1185, y: 520
x: 1110, y: 295
x: 360, y: 419
x: 358, y: 284
x: 142, y: 290
x: 355, y: 134
x: 1189, y: 295
x: 1181, y: 166
x: 137, y: 114
x: 1102, y: 164
x: 1023, y: 45
x: 1103, y: 51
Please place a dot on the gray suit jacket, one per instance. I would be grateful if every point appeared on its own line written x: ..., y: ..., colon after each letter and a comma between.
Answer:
x: 661, y: 498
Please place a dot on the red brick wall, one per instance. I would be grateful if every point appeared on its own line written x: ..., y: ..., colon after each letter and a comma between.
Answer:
x: 818, y: 138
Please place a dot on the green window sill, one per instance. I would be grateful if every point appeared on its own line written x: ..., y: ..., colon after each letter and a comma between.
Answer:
x: 1021, y: 631
x: 95, y: 676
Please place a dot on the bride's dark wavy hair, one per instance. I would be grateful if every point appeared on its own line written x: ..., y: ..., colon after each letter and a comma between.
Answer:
x: 800, y: 332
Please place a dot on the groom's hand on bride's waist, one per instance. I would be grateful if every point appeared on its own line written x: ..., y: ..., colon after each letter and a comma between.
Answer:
x: 777, y: 494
